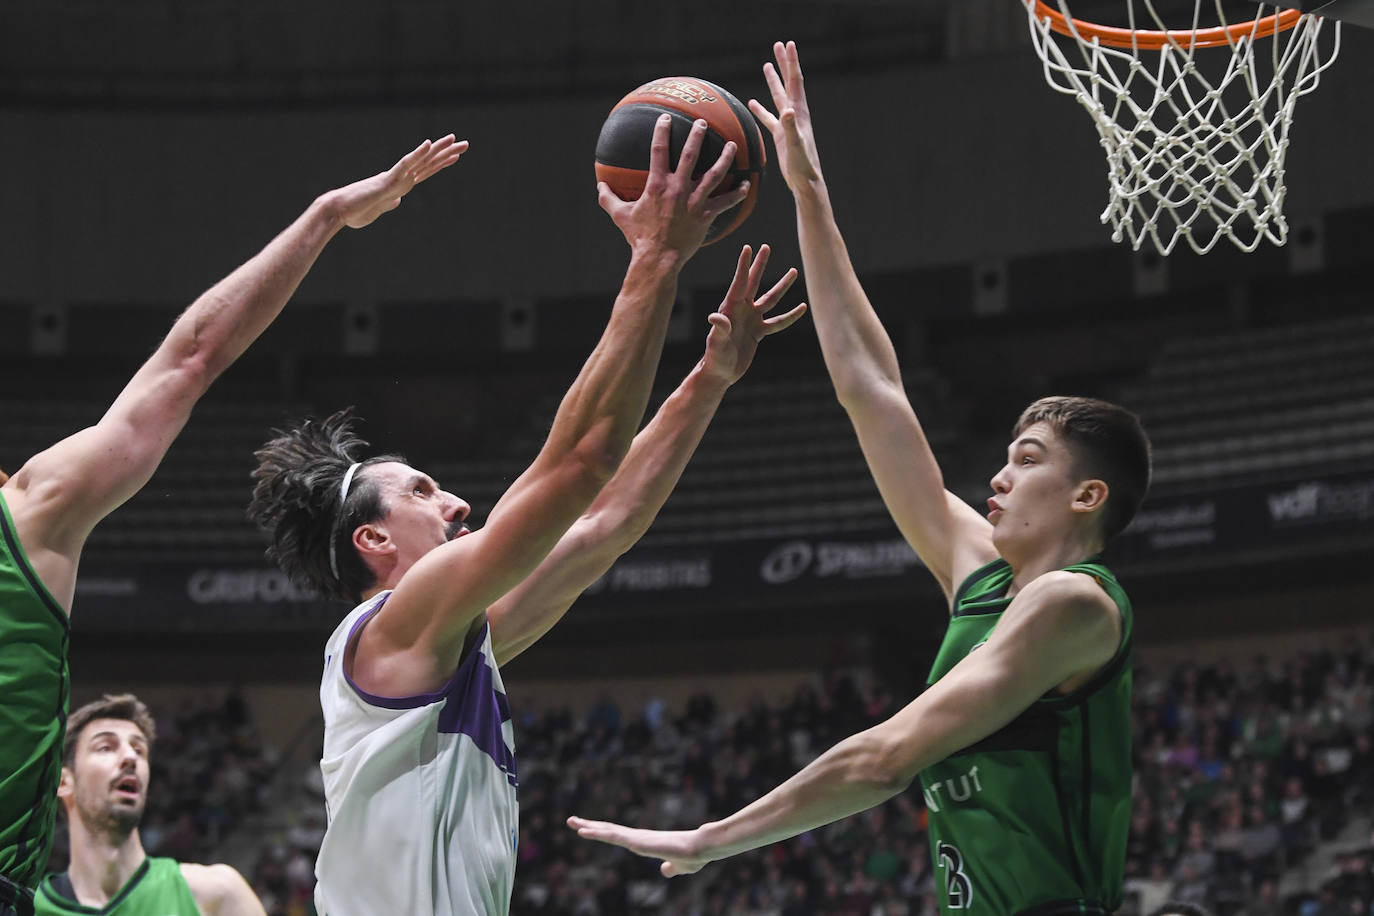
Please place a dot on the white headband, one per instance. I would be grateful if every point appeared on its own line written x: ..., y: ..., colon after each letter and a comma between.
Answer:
x: 334, y: 535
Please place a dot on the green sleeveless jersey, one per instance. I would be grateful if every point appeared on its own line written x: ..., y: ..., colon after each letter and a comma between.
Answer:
x: 33, y: 710
x: 156, y: 889
x: 1033, y: 818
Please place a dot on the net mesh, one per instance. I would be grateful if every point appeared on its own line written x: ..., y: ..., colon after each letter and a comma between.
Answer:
x: 1195, y: 143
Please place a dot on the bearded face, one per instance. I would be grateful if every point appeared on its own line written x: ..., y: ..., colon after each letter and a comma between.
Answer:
x: 106, y: 785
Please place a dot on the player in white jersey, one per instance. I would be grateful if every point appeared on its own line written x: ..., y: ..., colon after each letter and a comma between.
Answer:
x: 419, y: 764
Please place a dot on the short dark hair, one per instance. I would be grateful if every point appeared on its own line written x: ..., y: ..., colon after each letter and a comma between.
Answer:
x: 1107, y: 442
x: 296, y: 502
x: 124, y: 706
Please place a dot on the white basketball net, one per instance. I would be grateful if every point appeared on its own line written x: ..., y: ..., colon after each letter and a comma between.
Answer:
x: 1189, y: 155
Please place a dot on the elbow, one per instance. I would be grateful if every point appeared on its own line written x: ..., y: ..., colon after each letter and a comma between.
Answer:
x: 884, y: 766
x: 611, y: 533
x: 194, y: 372
x: 858, y: 390
x: 588, y: 467
x: 597, y: 457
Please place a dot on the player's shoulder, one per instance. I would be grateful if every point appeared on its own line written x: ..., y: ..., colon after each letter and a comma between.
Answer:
x: 213, y: 884
x: 1077, y: 596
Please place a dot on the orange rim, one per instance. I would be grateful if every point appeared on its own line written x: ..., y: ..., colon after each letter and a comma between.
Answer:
x: 1155, y: 41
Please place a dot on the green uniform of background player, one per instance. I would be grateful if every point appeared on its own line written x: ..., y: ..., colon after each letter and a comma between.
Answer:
x: 55, y: 499
x: 106, y: 755
x: 1075, y: 473
x: 156, y: 889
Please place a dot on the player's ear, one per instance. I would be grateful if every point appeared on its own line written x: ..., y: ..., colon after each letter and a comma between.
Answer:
x: 373, y: 539
x: 66, y: 784
x: 3, y: 477
x: 1091, y: 496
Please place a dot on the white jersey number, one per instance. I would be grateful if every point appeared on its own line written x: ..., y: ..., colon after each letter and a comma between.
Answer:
x: 958, y: 888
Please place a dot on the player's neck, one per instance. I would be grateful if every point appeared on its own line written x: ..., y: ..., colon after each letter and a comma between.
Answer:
x: 101, y: 864
x: 1032, y: 565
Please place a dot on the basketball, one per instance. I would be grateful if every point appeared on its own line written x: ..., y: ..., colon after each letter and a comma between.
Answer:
x: 622, y: 150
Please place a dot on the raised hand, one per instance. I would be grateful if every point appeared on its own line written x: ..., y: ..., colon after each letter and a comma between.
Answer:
x: 677, y: 848
x: 361, y: 202
x: 739, y: 324
x: 675, y: 210
x: 791, y: 126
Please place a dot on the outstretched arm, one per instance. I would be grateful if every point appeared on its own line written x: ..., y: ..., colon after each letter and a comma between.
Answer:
x: 950, y: 537
x: 630, y: 502
x: 417, y: 638
x: 61, y: 493
x: 1061, y: 626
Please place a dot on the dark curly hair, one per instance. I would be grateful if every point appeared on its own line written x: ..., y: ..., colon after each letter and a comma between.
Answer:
x: 1107, y: 442
x: 296, y: 502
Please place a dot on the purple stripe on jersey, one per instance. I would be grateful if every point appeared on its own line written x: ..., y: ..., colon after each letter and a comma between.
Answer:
x: 477, y: 709
x: 474, y: 706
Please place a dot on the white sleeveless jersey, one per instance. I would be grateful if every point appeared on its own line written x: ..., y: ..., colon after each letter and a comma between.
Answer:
x: 421, y: 791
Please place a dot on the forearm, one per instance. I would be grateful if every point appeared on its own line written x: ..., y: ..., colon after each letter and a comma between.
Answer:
x: 852, y: 776
x: 856, y: 347
x: 604, y: 406
x: 223, y: 321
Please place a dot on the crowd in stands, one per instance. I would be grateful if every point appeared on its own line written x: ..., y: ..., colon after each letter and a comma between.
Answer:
x: 1241, y: 772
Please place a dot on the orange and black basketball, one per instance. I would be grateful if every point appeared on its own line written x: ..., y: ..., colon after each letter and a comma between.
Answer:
x: 622, y: 150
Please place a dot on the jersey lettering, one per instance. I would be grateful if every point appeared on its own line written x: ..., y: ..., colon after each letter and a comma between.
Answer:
x: 958, y: 888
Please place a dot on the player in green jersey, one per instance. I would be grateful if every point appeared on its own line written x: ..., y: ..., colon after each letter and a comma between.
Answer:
x: 104, y: 786
x: 1022, y: 740
x: 50, y: 504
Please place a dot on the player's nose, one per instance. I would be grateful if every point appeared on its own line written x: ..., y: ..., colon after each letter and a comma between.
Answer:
x: 455, y: 508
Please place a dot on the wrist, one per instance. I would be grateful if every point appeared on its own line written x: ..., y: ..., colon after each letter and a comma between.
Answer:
x: 326, y: 212
x: 812, y: 194
x: 704, y: 381
x: 709, y: 841
x: 653, y: 256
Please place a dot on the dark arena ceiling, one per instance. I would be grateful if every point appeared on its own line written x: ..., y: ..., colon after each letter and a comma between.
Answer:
x: 170, y: 53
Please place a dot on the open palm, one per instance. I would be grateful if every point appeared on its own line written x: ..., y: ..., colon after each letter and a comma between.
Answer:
x: 740, y: 323
x: 361, y: 202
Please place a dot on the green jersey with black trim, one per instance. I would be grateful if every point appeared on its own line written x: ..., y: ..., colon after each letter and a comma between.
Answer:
x: 1034, y: 818
x: 33, y: 710
x: 157, y: 888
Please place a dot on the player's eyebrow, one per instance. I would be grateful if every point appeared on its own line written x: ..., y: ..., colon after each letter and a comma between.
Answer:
x: 1027, y: 440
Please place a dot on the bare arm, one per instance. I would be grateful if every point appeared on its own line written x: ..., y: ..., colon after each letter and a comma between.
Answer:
x: 61, y: 493
x: 1061, y: 626
x: 950, y: 537
x: 221, y: 891
x: 417, y: 639
x: 630, y: 502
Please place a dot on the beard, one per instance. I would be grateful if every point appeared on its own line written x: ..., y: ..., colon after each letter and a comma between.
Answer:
x: 116, y: 821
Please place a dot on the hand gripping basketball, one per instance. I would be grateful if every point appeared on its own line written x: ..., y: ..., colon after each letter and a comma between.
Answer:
x: 623, y: 147
x: 675, y: 210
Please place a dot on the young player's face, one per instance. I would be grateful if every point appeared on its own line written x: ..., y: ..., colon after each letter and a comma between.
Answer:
x: 1034, y: 492
x: 108, y: 780
x: 419, y: 515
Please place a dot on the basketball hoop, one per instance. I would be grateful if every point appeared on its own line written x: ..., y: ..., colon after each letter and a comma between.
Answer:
x: 1195, y: 146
